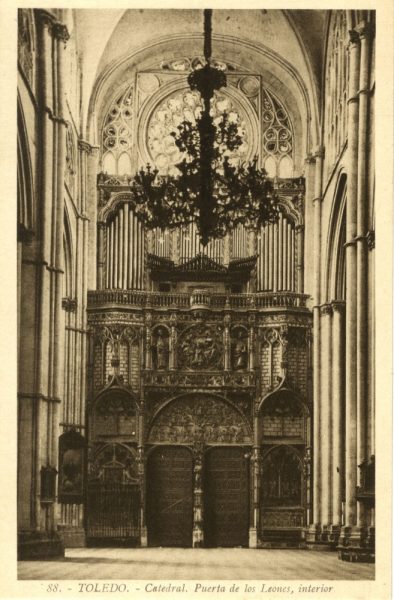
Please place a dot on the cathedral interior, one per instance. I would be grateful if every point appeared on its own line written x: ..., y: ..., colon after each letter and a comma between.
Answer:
x: 180, y: 394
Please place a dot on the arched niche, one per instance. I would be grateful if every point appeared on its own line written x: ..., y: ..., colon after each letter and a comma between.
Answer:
x: 283, y: 416
x: 160, y: 347
x: 196, y: 418
x: 113, y: 415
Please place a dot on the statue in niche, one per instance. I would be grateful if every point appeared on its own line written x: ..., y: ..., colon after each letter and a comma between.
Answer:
x: 161, y: 350
x: 240, y: 353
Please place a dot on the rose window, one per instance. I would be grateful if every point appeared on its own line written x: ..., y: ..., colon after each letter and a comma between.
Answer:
x: 186, y: 106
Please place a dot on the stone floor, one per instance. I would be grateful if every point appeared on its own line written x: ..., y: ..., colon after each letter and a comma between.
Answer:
x: 196, y: 564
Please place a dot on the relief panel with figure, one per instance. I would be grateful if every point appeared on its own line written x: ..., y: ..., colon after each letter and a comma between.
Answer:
x: 201, y: 348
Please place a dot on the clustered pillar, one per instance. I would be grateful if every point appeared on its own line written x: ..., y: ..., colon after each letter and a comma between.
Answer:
x: 41, y: 363
x: 343, y: 338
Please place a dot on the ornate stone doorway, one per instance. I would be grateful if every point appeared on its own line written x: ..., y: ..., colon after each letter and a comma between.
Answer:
x: 113, y: 497
x: 170, y: 496
x: 113, y: 500
x: 284, y: 477
x: 197, y: 474
x: 226, y: 497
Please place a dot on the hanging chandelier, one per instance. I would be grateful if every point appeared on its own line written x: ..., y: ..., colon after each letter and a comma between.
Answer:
x: 208, y: 189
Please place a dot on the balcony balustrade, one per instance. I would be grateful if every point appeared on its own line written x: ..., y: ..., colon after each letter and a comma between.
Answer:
x: 197, y: 299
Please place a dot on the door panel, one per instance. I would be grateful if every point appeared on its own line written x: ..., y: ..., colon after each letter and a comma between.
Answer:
x: 226, y: 495
x: 169, y: 497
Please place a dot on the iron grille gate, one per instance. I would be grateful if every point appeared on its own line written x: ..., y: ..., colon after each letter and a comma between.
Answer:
x: 113, y: 513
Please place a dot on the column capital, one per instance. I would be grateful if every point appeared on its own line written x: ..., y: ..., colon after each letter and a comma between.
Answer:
x: 101, y: 225
x: 326, y: 309
x: 365, y: 29
x: 45, y: 18
x: 319, y: 152
x: 61, y: 32
x: 309, y: 159
x: 354, y: 38
x: 85, y: 146
x: 338, y: 305
x: 69, y: 304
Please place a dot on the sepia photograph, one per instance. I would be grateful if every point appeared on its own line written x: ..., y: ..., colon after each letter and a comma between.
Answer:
x: 196, y: 299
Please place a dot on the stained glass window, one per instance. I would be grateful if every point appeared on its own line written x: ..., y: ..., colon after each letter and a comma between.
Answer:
x: 182, y: 106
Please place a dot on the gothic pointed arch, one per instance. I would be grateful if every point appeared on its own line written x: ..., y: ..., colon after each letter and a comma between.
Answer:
x: 335, y: 260
x: 113, y: 413
x: 68, y: 254
x: 25, y: 184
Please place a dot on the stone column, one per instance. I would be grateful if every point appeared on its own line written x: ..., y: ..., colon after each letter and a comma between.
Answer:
x: 351, y: 287
x: 338, y: 403
x: 326, y: 419
x: 61, y: 37
x: 362, y: 258
x: 314, y: 530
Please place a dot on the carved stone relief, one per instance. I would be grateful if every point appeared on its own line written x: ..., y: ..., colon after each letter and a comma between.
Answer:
x: 192, y: 419
x: 201, y: 347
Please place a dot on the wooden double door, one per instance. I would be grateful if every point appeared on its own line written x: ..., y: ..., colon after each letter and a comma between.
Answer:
x: 172, y: 488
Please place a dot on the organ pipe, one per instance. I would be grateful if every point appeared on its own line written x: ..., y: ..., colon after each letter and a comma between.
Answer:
x: 280, y: 253
x: 120, y: 249
x: 125, y: 244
